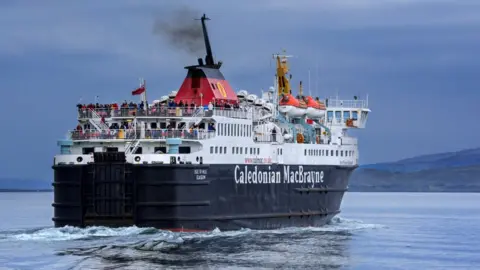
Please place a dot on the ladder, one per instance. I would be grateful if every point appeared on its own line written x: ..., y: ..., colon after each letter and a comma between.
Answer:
x: 132, y: 147
x: 197, y: 117
x: 96, y: 121
x: 281, y: 118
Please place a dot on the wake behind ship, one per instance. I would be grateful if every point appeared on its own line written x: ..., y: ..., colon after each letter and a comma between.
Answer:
x: 205, y: 157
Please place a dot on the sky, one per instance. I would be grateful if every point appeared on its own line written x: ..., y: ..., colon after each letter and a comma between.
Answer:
x: 418, y: 62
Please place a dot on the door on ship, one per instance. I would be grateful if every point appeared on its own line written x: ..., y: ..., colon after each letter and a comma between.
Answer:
x: 277, y: 153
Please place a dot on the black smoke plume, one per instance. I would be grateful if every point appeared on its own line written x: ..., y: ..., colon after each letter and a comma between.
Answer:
x: 180, y: 29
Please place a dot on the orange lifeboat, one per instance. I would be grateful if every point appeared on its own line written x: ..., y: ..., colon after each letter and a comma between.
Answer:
x: 291, y: 106
x: 315, y: 108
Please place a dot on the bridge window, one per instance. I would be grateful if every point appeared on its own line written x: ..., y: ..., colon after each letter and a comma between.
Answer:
x: 329, y: 116
x: 346, y: 115
x: 338, y: 116
x: 354, y: 115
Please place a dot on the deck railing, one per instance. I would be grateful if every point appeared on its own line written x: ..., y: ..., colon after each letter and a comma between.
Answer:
x: 163, y: 111
x: 131, y: 134
x: 338, y: 103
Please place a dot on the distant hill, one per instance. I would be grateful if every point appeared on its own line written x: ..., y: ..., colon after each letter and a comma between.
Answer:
x: 16, y: 184
x: 443, y: 172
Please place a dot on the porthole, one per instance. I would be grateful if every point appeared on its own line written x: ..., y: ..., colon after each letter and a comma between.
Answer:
x: 79, y: 159
x: 137, y: 158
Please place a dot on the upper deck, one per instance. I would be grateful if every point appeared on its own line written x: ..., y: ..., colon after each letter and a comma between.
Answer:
x: 163, y: 111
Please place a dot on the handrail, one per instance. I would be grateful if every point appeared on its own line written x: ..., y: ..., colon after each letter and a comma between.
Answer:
x: 165, y: 111
x: 339, y: 103
x: 130, y: 134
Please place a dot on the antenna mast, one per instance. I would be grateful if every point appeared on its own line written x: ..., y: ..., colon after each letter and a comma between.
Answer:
x: 209, y: 58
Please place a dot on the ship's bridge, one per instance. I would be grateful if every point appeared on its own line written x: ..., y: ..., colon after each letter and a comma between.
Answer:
x: 347, y: 113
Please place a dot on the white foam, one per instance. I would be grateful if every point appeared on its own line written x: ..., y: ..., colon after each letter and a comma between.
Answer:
x: 73, y: 233
x: 338, y: 224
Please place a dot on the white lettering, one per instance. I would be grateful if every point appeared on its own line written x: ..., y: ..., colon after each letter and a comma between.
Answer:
x: 256, y: 175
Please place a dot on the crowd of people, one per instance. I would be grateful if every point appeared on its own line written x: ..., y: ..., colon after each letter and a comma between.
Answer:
x: 129, y: 132
x: 166, y: 108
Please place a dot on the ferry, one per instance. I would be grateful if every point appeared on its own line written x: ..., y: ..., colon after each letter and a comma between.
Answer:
x: 207, y: 157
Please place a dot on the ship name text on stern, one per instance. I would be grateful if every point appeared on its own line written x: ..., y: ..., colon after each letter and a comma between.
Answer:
x: 200, y: 174
x: 255, y: 176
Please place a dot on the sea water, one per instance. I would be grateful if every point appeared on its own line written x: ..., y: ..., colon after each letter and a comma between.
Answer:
x: 374, y: 231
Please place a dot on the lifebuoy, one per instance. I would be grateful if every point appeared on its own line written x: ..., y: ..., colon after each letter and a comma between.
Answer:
x: 300, y: 138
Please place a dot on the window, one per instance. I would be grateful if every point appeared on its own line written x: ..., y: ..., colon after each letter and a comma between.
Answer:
x: 224, y: 149
x: 184, y: 150
x: 329, y: 116
x: 341, y: 153
x: 336, y: 153
x: 221, y: 148
x: 354, y: 115
x: 233, y: 150
x: 87, y: 150
x: 331, y: 153
x: 241, y: 150
x: 211, y: 149
x: 338, y: 116
x: 305, y: 153
x: 346, y: 115
x: 216, y: 149
x: 258, y: 151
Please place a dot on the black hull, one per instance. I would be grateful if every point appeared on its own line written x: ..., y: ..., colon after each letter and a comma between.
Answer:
x: 189, y: 197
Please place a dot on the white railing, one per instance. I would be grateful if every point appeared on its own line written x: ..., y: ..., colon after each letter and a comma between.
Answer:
x: 131, y: 134
x: 165, y: 111
x: 338, y: 103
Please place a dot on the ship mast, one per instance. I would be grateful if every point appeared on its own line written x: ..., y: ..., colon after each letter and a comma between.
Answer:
x: 282, y: 71
x: 209, y: 57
